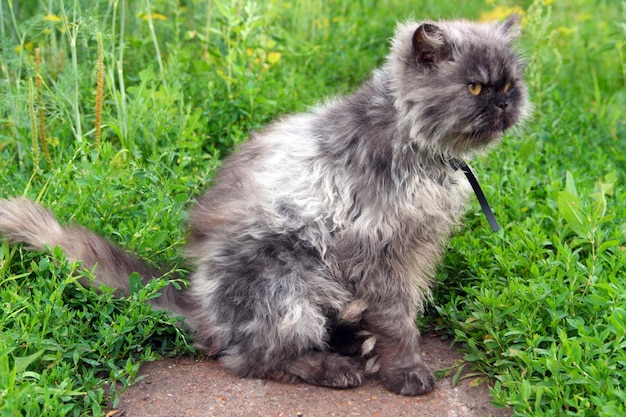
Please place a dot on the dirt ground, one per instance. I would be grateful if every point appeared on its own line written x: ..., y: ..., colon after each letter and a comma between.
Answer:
x: 201, y: 388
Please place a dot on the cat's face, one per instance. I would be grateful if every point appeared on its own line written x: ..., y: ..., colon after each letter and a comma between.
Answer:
x: 460, y: 84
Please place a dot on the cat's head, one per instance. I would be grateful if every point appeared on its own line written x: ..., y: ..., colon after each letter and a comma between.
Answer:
x: 458, y: 85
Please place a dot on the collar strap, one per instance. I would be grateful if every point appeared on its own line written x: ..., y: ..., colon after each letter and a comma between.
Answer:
x: 484, y: 204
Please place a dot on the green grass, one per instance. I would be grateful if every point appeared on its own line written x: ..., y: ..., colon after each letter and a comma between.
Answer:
x: 540, y: 307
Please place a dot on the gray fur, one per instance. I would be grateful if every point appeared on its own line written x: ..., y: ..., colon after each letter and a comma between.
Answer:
x: 324, y: 230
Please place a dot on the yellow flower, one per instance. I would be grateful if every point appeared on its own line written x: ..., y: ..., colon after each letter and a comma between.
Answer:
x: 155, y: 16
x: 158, y: 16
x: 566, y: 31
x: 273, y: 57
x: 322, y: 23
x: 584, y: 17
x: 53, y: 18
x: 28, y: 46
x: 500, y: 13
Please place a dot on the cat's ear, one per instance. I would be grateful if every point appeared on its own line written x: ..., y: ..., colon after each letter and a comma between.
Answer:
x: 511, y: 28
x: 430, y: 45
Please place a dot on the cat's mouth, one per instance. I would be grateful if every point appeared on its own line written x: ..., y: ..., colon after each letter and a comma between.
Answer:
x: 485, y: 130
x: 483, y: 135
x: 487, y: 134
x: 469, y: 141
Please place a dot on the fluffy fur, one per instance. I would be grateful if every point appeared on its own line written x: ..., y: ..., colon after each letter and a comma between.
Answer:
x: 323, y: 231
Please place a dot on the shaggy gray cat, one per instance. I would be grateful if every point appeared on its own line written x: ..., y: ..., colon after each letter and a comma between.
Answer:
x: 315, y: 249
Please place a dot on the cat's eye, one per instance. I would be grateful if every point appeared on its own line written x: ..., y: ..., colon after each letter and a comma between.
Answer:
x: 507, y: 87
x: 475, y: 88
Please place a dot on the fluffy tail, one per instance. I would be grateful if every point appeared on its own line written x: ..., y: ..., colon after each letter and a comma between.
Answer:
x: 24, y: 221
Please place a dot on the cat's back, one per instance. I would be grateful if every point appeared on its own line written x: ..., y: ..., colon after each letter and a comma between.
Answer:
x: 272, y: 165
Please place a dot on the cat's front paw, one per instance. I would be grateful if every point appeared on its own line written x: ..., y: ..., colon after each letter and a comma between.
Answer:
x: 416, y: 380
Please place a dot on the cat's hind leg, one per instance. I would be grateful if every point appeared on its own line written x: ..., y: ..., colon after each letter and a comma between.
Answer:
x: 292, y: 355
x: 267, y: 303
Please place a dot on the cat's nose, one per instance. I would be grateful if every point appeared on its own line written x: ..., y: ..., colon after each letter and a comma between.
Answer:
x: 502, y: 104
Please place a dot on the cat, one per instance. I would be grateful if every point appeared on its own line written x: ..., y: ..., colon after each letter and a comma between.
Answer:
x: 315, y: 248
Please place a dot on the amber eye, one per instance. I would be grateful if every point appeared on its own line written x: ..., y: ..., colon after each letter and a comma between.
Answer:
x: 507, y: 87
x: 475, y: 88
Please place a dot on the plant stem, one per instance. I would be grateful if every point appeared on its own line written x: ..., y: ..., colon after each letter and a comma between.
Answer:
x: 43, y: 139
x: 207, y: 31
x: 2, y: 34
x: 33, y: 123
x: 72, y: 31
x: 99, y: 92
x: 120, y: 77
x: 17, y: 31
x: 154, y: 38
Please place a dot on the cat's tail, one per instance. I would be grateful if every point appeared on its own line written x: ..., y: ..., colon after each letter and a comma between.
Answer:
x: 24, y: 221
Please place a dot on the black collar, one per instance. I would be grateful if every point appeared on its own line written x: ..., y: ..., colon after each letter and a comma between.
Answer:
x: 484, y: 204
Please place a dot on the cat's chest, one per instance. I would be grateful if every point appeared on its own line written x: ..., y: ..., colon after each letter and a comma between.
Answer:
x: 437, y: 198
x: 426, y: 206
